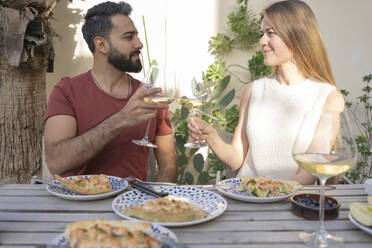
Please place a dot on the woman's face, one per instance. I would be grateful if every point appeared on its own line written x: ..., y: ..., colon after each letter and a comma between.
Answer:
x: 276, y: 53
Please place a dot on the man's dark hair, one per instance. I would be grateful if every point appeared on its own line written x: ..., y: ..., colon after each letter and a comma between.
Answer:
x: 98, y: 21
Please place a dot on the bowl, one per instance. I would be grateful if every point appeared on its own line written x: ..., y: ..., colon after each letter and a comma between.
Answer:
x: 368, y: 186
x: 311, y: 212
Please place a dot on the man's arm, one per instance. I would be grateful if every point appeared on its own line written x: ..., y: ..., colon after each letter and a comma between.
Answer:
x: 167, y: 160
x: 65, y: 151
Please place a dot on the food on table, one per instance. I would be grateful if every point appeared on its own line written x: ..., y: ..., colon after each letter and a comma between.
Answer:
x: 308, y: 201
x: 94, y: 184
x: 107, y: 233
x: 267, y: 187
x: 362, y: 213
x: 166, y: 209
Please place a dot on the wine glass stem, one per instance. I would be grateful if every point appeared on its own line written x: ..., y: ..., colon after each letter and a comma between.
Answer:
x: 322, y: 230
x: 147, y: 130
x: 194, y: 113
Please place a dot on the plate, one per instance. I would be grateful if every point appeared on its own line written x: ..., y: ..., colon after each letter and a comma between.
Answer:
x: 61, y: 241
x: 359, y: 225
x: 117, y: 185
x: 229, y: 187
x: 212, y: 203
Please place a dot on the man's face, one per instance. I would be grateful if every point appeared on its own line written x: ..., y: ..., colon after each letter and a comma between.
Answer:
x: 125, y: 45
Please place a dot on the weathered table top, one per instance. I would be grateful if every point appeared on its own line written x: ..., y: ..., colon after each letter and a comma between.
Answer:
x: 30, y: 216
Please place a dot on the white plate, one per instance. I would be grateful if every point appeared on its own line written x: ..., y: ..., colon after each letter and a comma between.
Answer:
x: 117, y: 185
x: 61, y: 241
x: 229, y: 187
x: 213, y: 204
x: 359, y: 225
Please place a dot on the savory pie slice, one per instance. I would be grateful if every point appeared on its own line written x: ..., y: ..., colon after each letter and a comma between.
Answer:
x: 101, y: 233
x: 167, y: 209
x: 268, y: 187
x: 94, y: 184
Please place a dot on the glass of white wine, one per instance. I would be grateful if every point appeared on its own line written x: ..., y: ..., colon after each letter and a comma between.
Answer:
x: 166, y: 80
x: 332, y: 152
x: 156, y: 78
x: 197, y: 100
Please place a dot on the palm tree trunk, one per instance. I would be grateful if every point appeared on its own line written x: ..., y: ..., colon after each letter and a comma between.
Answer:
x: 22, y: 109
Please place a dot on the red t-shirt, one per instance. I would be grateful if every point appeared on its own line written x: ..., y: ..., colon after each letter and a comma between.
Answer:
x: 81, y: 98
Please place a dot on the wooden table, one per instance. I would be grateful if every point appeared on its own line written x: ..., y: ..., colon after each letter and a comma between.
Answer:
x: 30, y: 216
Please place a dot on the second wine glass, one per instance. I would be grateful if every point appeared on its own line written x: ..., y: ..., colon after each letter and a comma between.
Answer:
x: 196, y: 100
x: 332, y: 152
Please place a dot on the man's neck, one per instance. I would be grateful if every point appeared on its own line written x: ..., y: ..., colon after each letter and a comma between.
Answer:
x: 112, y: 81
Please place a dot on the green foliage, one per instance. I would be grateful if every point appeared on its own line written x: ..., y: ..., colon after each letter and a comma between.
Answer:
x: 214, y: 164
x: 229, y: 120
x: 220, y: 44
x: 216, y: 106
x: 245, y: 26
x: 220, y: 87
x: 215, y: 72
x: 257, y: 68
x: 198, y: 163
x: 363, y: 168
x: 245, y: 33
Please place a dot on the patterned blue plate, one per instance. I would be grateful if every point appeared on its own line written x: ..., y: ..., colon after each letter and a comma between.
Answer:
x: 229, y: 187
x: 117, y: 185
x: 212, y: 203
x: 61, y: 241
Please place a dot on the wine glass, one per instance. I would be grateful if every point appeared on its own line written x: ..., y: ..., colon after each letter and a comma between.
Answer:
x: 148, y: 82
x: 157, y: 78
x: 332, y: 152
x: 196, y: 101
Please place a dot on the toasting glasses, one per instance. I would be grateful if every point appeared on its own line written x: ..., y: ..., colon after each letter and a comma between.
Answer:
x: 332, y: 152
x: 157, y: 78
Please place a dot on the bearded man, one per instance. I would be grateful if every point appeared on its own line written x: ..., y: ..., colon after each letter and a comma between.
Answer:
x: 92, y: 118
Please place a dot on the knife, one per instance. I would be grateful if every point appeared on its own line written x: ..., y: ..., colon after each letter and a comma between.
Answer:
x: 148, y: 189
x: 167, y: 242
x: 38, y: 181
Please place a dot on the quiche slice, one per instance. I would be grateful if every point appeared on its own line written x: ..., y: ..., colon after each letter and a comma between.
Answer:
x: 268, y: 187
x: 94, y: 184
x: 102, y: 233
x: 167, y: 209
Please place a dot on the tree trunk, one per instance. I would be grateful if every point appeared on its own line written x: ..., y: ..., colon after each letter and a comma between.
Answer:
x: 22, y: 109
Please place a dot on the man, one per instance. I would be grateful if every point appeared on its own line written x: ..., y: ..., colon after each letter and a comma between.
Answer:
x: 92, y: 118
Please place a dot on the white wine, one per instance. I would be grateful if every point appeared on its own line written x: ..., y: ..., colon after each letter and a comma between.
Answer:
x: 323, y: 165
x: 190, y: 103
x: 161, y: 99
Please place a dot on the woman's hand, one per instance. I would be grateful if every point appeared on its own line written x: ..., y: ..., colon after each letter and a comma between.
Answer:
x: 200, y: 129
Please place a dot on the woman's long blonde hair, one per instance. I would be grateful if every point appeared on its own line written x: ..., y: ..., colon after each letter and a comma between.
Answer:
x: 295, y: 23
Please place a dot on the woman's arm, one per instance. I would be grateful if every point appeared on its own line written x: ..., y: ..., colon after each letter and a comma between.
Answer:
x: 231, y: 154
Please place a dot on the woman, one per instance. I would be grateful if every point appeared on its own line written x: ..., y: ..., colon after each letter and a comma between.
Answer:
x: 274, y: 110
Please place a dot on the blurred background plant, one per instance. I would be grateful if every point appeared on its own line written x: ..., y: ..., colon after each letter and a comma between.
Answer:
x: 244, y: 35
x: 361, y: 116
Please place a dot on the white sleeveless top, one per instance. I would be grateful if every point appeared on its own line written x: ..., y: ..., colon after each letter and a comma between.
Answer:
x: 276, y: 115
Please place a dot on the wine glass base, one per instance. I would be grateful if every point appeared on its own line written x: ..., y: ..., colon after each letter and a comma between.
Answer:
x: 195, y: 145
x: 314, y: 239
x: 144, y: 142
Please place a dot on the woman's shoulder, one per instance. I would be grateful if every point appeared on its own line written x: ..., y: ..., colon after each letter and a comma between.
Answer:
x: 334, y: 102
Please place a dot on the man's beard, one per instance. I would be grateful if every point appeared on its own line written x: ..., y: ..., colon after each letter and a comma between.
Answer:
x: 122, y: 62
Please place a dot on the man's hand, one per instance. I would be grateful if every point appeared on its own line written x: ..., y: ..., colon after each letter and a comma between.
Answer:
x: 137, y: 111
x: 65, y: 151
